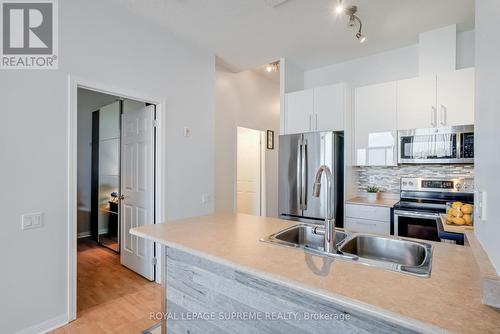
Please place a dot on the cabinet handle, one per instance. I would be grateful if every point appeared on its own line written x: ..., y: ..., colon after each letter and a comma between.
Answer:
x: 310, y: 122
x: 433, y: 116
x: 315, y: 121
x: 444, y: 115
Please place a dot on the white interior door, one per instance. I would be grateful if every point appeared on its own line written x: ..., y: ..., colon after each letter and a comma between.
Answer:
x: 249, y: 172
x: 137, y: 186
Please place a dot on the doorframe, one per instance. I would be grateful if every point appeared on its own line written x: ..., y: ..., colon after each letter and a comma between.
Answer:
x: 74, y: 83
x: 263, y: 178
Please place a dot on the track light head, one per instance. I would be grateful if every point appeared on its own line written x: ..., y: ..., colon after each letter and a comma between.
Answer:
x: 361, y: 38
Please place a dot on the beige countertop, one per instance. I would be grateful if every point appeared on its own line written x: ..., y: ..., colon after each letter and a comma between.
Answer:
x: 385, y: 202
x: 449, y: 300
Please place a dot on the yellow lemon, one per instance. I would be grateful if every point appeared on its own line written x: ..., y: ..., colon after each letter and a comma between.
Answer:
x: 467, y: 209
x: 468, y: 219
x: 457, y: 205
x: 454, y: 212
x: 458, y: 221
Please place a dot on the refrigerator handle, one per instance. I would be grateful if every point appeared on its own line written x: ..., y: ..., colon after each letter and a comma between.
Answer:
x: 299, y: 174
x: 304, y: 176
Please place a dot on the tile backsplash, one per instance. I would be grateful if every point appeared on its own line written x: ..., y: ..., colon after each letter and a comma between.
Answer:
x: 387, y: 178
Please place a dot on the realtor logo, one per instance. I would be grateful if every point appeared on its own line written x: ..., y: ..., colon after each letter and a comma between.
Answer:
x: 29, y: 34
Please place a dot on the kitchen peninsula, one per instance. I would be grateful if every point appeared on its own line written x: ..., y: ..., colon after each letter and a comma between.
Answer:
x: 216, y: 266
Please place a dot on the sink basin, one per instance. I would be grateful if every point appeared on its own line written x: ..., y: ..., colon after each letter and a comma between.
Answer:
x: 400, y: 255
x: 303, y: 236
x: 396, y: 254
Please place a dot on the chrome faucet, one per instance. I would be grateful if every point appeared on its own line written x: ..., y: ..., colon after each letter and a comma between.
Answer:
x: 330, y: 244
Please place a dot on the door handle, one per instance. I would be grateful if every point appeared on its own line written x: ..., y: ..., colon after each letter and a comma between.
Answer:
x: 299, y: 174
x: 433, y: 116
x: 121, y: 197
x: 443, y: 115
x: 304, y: 176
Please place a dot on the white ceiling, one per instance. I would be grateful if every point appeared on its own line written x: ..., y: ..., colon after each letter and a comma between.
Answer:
x: 248, y: 33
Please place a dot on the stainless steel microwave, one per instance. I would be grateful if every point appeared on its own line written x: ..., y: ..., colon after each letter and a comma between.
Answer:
x: 447, y: 145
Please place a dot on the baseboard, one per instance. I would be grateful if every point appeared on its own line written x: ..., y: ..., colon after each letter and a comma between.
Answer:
x: 87, y: 234
x: 46, y: 326
x: 83, y: 235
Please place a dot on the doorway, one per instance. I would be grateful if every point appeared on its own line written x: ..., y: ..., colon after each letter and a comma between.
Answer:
x: 250, y: 172
x: 119, y: 164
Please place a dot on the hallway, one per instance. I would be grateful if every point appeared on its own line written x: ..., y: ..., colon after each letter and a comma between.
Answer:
x: 111, y: 298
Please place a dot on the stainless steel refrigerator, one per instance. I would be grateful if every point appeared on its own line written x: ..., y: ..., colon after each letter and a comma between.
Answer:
x: 300, y: 156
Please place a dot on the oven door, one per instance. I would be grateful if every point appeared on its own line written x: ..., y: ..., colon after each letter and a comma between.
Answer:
x: 416, y: 225
x: 428, y: 146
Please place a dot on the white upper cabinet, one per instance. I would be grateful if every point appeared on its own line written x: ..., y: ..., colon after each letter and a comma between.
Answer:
x: 375, y: 125
x: 455, y: 98
x: 436, y: 101
x: 417, y: 103
x: 318, y: 109
x: 299, y: 109
x: 329, y: 108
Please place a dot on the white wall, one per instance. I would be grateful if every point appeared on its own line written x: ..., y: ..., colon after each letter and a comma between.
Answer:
x: 391, y: 65
x: 88, y: 102
x: 246, y: 99
x: 487, y: 119
x: 101, y: 42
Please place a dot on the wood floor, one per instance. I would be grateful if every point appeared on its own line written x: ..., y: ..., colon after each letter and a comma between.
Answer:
x: 111, y: 298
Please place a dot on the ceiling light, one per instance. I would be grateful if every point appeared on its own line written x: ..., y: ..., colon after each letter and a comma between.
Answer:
x: 273, y: 67
x: 340, y: 7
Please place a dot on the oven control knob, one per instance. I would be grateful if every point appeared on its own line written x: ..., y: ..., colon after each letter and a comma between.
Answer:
x: 405, y: 183
x: 410, y: 183
x: 458, y: 186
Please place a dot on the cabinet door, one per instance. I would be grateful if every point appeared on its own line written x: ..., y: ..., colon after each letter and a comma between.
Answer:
x: 417, y: 103
x: 455, y: 91
x: 375, y: 124
x: 299, y: 109
x: 329, y: 107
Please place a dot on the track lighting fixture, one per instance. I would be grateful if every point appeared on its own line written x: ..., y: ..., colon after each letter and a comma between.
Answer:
x: 353, y: 18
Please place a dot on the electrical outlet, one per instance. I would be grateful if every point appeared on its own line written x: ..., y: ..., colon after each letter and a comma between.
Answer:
x: 480, y: 205
x: 31, y: 221
x: 187, y: 132
x: 205, y: 199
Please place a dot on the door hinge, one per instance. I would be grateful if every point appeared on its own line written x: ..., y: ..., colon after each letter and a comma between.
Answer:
x: 155, y: 123
x: 155, y: 261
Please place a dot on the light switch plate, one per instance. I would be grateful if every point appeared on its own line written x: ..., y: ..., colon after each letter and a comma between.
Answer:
x: 31, y: 221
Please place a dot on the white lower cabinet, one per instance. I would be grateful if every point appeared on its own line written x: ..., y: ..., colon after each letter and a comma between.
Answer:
x: 368, y: 219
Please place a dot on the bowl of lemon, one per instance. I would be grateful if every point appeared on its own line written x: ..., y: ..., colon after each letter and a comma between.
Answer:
x: 460, y: 214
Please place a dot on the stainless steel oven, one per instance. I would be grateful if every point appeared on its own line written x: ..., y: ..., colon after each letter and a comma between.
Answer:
x: 419, y: 225
x: 437, y: 145
x: 422, y: 202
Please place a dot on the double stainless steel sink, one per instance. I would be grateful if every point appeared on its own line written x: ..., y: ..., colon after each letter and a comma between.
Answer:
x: 396, y: 254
